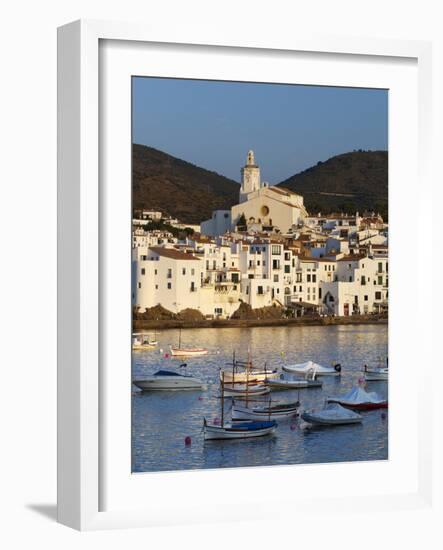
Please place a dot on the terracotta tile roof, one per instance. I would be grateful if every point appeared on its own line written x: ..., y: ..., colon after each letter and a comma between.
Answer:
x: 352, y: 258
x: 172, y: 253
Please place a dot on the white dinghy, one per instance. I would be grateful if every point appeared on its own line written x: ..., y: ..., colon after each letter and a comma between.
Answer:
x: 315, y: 368
x: 165, y: 380
x: 265, y: 411
x: 331, y: 415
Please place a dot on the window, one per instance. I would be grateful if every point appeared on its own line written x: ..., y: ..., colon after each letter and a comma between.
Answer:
x: 143, y: 271
x: 184, y: 271
x: 275, y: 264
x: 156, y: 287
x: 326, y: 267
x: 308, y: 277
x: 258, y: 262
x: 363, y: 280
x: 298, y: 278
x: 366, y: 298
x: 139, y: 285
x: 169, y: 286
x: 276, y: 249
x: 380, y: 279
x: 259, y: 290
x: 250, y: 276
x: 295, y: 289
x: 378, y: 295
x: 314, y: 278
x: 155, y: 272
x: 275, y: 278
x: 380, y: 267
x: 287, y: 256
x: 350, y: 278
x: 287, y: 269
x: 218, y: 310
x: 192, y: 271
x: 193, y: 289
x: 169, y: 274
x: 319, y: 293
x: 300, y: 288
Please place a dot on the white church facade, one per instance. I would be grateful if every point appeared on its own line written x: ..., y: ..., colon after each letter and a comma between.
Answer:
x: 261, y: 206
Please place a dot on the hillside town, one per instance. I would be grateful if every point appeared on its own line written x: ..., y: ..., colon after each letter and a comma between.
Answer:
x: 266, y: 252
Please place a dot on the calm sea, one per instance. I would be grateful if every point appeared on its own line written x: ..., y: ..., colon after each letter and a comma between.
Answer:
x: 162, y: 420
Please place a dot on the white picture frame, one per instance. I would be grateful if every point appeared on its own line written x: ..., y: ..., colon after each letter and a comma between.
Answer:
x: 84, y: 207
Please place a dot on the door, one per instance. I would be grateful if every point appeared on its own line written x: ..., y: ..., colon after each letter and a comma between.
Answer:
x: 346, y: 309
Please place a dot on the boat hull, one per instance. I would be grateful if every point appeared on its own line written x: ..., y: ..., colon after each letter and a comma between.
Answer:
x: 243, y: 376
x: 360, y: 406
x: 243, y: 413
x: 183, y: 352
x: 312, y: 418
x: 239, y: 391
x: 212, y: 432
x: 326, y: 372
x: 169, y: 384
x: 293, y: 384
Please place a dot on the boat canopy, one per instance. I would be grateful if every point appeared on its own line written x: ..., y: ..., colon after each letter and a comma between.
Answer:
x: 166, y: 373
x: 334, y: 411
x: 310, y: 366
x: 254, y: 425
x: 358, y: 396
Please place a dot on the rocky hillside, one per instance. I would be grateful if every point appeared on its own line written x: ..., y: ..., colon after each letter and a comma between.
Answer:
x: 347, y: 182
x: 178, y: 188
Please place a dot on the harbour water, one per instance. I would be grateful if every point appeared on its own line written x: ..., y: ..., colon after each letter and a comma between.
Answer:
x: 162, y: 420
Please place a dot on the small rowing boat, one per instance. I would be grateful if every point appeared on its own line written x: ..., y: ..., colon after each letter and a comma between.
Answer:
x: 265, y: 412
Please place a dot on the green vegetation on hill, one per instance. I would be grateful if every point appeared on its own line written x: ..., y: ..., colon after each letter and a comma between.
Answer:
x: 345, y: 183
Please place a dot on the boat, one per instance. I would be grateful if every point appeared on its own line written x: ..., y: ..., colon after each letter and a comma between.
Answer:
x: 247, y: 372
x: 315, y: 368
x: 243, y: 390
x: 376, y: 373
x: 264, y: 412
x: 239, y: 430
x: 361, y: 400
x: 236, y: 430
x: 332, y: 414
x: 295, y: 384
x: 186, y: 352
x: 142, y: 341
x: 165, y: 380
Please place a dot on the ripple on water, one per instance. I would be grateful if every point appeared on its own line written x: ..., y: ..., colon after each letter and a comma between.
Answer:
x: 161, y: 421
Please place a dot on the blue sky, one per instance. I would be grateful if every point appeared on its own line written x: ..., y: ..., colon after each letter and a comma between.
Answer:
x: 213, y: 124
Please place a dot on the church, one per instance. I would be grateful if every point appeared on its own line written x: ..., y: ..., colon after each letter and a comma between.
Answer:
x: 261, y: 207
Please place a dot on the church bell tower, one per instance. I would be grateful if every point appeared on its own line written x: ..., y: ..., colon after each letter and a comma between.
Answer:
x: 250, y: 177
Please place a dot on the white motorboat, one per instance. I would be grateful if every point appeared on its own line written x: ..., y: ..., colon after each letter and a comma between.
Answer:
x: 314, y: 368
x: 239, y: 430
x: 165, y: 380
x: 359, y: 399
x: 331, y: 415
x: 142, y: 341
x: 265, y: 411
x: 375, y: 373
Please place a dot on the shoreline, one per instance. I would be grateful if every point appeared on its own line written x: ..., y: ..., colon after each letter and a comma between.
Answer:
x: 141, y: 324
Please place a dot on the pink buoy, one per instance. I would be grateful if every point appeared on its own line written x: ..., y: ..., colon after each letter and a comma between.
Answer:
x: 166, y: 355
x: 188, y: 440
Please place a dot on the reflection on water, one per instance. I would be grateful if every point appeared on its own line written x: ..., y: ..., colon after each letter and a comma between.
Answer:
x: 162, y: 420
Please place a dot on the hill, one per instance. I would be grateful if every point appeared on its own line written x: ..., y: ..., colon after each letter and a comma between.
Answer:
x: 345, y: 183
x: 178, y: 188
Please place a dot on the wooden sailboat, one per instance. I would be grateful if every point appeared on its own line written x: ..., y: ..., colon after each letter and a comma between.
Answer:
x: 142, y: 341
x: 186, y: 352
x: 238, y: 372
x: 237, y: 430
x: 249, y: 385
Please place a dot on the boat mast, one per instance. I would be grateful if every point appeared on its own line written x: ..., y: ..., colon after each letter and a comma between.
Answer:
x: 223, y: 400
